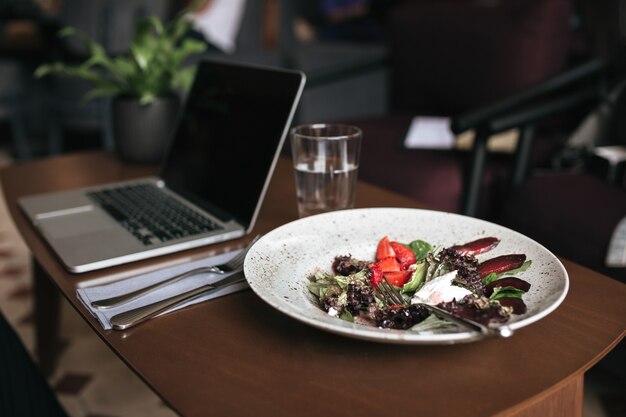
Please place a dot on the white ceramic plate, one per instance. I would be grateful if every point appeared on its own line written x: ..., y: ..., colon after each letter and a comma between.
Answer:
x: 278, y: 265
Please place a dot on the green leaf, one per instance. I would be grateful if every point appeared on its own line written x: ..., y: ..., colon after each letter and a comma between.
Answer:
x: 345, y: 315
x: 178, y: 29
x: 148, y: 24
x: 488, y: 279
x: 506, y: 292
x: 101, y: 92
x: 66, y: 31
x: 142, y: 56
x: 186, y: 48
x: 143, y: 32
x: 318, y: 289
x: 147, y: 98
x: 124, y: 69
x: 152, y: 68
x: 420, y: 248
x: 342, y: 299
x: 46, y: 69
x: 184, y: 78
x: 322, y: 281
x: 342, y: 281
x: 522, y: 268
x: 80, y: 71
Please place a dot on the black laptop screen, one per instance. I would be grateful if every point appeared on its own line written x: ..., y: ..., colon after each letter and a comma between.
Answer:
x: 231, y: 129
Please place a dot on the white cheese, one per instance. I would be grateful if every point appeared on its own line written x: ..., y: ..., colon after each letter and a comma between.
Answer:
x: 440, y: 290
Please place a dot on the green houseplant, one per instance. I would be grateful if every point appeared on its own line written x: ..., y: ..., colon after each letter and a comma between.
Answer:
x: 145, y: 83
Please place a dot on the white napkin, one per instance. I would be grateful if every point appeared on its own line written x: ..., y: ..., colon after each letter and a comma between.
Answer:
x: 88, y: 294
x: 428, y: 132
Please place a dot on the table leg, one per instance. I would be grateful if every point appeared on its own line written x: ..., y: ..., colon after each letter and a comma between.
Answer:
x: 46, y: 312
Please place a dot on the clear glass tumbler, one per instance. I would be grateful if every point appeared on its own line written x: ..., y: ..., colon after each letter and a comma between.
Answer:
x: 326, y: 161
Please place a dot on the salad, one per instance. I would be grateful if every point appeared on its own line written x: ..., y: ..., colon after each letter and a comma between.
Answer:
x: 451, y: 278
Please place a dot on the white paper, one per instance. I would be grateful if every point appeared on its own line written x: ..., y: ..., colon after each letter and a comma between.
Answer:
x: 220, y: 23
x: 613, y: 154
x: 430, y: 132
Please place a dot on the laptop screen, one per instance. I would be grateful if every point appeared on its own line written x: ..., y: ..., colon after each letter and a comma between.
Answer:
x: 231, y: 129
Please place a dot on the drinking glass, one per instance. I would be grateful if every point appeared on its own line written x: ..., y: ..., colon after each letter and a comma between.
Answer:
x: 326, y: 161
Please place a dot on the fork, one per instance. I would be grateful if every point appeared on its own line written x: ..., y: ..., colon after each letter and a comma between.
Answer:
x: 138, y: 315
x: 390, y: 296
x: 235, y: 264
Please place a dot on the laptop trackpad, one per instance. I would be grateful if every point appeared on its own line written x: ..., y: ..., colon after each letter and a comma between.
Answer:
x: 62, y: 225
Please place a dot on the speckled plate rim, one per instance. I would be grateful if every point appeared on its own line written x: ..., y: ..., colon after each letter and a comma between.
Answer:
x: 278, y: 265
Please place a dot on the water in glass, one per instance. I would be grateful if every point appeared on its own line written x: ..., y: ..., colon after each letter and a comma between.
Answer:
x: 321, y: 189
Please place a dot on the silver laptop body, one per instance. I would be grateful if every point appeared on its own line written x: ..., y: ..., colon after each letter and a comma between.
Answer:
x: 219, y: 166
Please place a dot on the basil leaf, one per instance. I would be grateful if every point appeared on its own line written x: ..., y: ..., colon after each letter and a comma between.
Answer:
x: 490, y: 278
x: 504, y: 292
x: 420, y: 249
x: 345, y: 315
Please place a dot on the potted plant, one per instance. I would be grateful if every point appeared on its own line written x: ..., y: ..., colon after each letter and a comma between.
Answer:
x: 145, y: 83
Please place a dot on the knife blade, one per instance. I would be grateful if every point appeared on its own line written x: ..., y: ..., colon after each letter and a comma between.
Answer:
x: 138, y: 315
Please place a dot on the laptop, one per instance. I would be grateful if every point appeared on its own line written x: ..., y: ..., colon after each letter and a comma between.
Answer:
x: 211, y: 184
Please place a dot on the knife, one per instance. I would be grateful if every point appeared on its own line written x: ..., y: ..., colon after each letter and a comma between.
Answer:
x: 135, y: 316
x: 501, y: 331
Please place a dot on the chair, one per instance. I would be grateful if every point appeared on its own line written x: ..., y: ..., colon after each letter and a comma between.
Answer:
x: 572, y: 211
x: 447, y: 58
x: 572, y: 214
x: 524, y: 111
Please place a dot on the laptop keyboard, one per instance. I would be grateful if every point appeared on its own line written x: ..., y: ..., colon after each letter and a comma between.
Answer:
x: 151, y: 215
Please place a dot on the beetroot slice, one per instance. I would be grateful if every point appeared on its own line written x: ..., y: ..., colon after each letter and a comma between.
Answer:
x: 514, y: 282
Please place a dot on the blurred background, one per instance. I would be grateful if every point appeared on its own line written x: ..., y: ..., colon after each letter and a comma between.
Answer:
x: 530, y: 90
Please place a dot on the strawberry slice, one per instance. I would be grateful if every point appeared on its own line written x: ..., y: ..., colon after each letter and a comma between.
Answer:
x: 376, y: 274
x: 389, y: 264
x: 398, y: 278
x: 477, y: 246
x: 404, y: 255
x: 501, y: 264
x: 384, y: 249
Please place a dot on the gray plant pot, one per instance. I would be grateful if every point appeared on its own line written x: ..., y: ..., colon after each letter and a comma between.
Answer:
x: 141, y: 134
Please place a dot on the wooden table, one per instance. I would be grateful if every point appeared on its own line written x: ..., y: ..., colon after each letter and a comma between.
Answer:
x: 236, y: 356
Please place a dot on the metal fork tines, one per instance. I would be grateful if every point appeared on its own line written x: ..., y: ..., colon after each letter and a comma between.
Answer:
x: 390, y: 296
x: 235, y: 264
